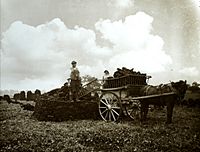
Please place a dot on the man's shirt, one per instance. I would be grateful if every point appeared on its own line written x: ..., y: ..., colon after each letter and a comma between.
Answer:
x: 75, y: 75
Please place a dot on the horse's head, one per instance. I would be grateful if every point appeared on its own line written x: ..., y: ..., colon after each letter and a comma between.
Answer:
x: 180, y: 88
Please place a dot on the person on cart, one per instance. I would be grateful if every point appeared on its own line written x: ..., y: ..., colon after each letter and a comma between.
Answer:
x: 75, y: 82
x: 105, y: 77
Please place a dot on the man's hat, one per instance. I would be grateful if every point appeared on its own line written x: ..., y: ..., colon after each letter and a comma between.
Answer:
x: 106, y: 71
x: 73, y: 62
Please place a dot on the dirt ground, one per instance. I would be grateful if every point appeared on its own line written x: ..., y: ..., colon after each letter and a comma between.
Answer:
x: 19, y: 131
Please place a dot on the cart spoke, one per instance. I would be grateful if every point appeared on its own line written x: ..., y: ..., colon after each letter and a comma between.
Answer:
x: 102, y: 107
x: 104, y: 111
x: 106, y: 115
x: 115, y: 112
x: 113, y: 115
x: 106, y: 100
x: 115, y: 107
x: 111, y: 99
x: 109, y: 115
x: 103, y: 102
x: 133, y: 112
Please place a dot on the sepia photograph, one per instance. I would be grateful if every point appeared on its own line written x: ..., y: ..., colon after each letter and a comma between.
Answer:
x: 99, y: 75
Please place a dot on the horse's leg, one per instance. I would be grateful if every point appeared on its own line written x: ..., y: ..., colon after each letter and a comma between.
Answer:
x: 142, y: 112
x: 170, y: 106
x: 146, y: 111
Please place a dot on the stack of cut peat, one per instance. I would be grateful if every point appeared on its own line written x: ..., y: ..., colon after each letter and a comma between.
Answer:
x: 58, y: 94
x: 56, y: 106
x: 124, y: 72
x: 125, y: 76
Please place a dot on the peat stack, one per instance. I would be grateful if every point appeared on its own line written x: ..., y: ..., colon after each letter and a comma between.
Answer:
x: 125, y: 71
x: 56, y: 106
x: 126, y: 77
x: 16, y: 96
x: 30, y: 96
x: 7, y: 98
x: 22, y: 95
x: 37, y: 94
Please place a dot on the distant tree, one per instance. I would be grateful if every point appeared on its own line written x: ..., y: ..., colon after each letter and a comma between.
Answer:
x: 87, y: 79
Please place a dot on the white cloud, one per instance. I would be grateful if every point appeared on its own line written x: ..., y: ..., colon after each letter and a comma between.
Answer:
x: 133, y: 33
x: 196, y: 3
x: 133, y: 43
x: 190, y: 71
x: 44, y: 53
x: 41, y: 56
x: 122, y: 3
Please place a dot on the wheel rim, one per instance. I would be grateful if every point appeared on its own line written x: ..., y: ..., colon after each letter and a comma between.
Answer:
x: 133, y: 110
x: 109, y: 107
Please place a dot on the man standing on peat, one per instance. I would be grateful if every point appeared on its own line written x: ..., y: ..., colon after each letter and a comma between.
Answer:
x: 75, y: 82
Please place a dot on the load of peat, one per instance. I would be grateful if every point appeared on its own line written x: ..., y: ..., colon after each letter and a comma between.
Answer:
x: 125, y: 77
x: 125, y: 72
x: 56, y: 106
x: 58, y: 94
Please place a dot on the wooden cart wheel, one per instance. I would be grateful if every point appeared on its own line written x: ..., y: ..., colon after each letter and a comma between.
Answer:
x: 133, y: 109
x: 110, y: 107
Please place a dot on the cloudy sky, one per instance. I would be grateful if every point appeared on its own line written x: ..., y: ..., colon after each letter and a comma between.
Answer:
x: 40, y: 38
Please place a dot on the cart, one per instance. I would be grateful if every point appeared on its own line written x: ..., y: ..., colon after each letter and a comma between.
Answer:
x: 117, y: 97
x: 122, y: 96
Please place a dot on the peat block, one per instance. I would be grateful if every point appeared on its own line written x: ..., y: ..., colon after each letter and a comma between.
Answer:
x: 46, y: 110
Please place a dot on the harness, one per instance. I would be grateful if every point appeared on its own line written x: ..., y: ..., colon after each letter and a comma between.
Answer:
x: 146, y: 90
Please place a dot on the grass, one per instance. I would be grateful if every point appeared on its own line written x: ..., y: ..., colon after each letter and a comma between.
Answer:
x: 20, y: 132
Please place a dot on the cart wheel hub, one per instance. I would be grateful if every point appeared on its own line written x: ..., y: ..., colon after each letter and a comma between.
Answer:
x: 109, y: 107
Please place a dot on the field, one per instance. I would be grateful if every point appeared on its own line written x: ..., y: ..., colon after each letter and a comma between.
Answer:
x: 19, y: 131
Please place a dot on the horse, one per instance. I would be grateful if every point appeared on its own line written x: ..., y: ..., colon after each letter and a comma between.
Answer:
x: 178, y: 90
